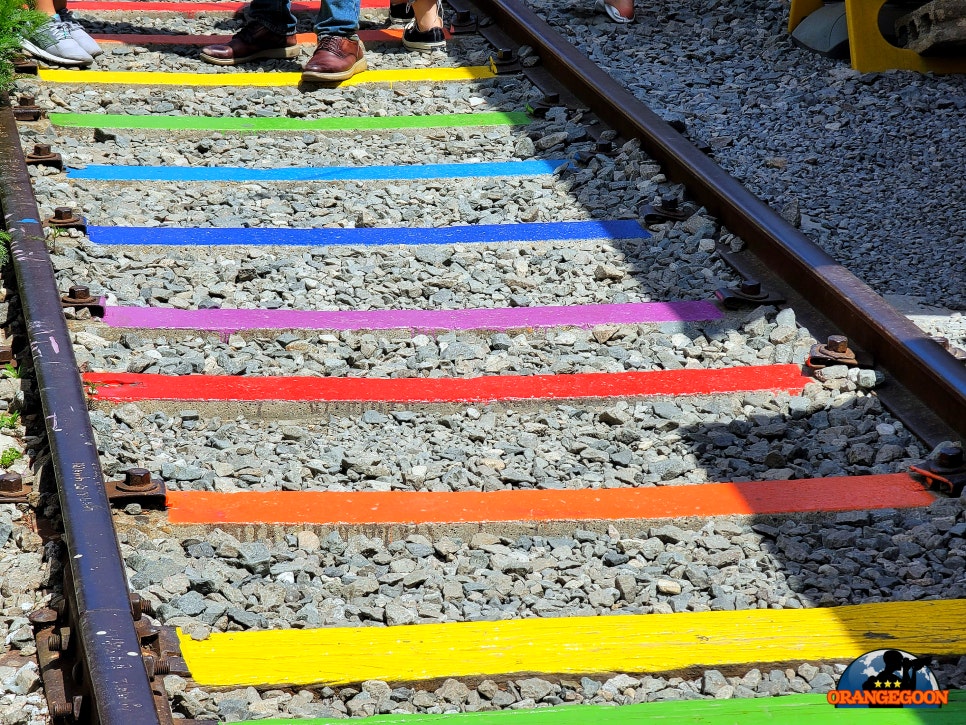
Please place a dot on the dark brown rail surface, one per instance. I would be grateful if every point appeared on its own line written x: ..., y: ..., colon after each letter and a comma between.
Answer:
x: 118, y: 680
x: 906, y: 352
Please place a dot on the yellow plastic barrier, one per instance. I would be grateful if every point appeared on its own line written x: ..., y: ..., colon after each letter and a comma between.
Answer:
x: 870, y: 51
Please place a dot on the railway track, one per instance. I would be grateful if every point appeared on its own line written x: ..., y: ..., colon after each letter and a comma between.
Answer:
x: 461, y: 384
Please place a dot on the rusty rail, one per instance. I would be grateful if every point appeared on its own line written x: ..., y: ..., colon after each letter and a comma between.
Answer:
x: 115, y: 673
x: 913, y: 359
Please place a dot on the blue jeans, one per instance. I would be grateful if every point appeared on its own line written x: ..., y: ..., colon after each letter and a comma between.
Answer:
x: 336, y: 17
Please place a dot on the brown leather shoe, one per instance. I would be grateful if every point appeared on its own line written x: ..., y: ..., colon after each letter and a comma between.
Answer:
x: 252, y: 42
x: 335, y: 59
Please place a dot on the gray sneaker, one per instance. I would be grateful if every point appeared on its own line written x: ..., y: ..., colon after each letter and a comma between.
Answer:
x: 79, y: 35
x: 52, y: 42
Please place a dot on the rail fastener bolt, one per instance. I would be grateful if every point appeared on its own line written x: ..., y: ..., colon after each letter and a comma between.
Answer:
x: 138, y: 480
x: 137, y: 486
x: 946, y: 470
x: 59, y: 641
x: 65, y: 218
x: 43, y: 616
x: 505, y: 61
x: 79, y: 297
x: 835, y: 351
x: 949, y: 458
x: 43, y: 156
x: 601, y: 148
x: 748, y: 293
x: 669, y: 209
x: 157, y: 666
x: 464, y: 23
x: 24, y: 65
x: 27, y: 109
x: 62, y: 710
x: 79, y: 292
x: 12, y: 488
x: 539, y: 108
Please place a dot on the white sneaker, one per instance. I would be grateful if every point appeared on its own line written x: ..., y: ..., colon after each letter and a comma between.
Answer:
x: 79, y: 35
x: 52, y: 42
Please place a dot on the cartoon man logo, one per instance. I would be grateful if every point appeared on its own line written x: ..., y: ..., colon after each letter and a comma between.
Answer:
x: 898, y: 673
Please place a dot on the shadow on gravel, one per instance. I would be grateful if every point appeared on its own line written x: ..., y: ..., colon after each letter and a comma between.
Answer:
x: 819, y: 559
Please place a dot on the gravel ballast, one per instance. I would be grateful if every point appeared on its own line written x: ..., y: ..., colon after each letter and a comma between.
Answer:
x: 863, y: 164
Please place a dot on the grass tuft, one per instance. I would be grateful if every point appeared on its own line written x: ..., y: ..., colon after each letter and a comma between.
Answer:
x: 9, y: 456
x: 4, y: 244
x: 17, y: 19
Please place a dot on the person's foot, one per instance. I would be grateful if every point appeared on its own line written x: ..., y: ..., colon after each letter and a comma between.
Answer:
x: 619, y: 11
x: 423, y: 40
x: 252, y: 42
x: 400, y: 13
x: 335, y: 59
x: 52, y: 42
x: 78, y: 34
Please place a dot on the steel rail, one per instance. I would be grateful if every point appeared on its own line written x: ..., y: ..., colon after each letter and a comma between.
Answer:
x: 906, y: 352
x: 118, y: 680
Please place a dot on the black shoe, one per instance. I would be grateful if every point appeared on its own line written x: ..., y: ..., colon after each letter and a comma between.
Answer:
x: 425, y: 40
x: 401, y: 12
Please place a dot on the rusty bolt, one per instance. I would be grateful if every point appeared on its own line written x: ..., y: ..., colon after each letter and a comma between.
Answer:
x: 26, y: 109
x: 24, y: 65
x: 837, y: 343
x: 463, y: 16
x: 64, y: 218
x: 505, y: 55
x: 604, y: 147
x: 62, y: 709
x: 949, y: 457
x: 46, y: 615
x: 162, y: 666
x: 138, y: 478
x: 79, y: 292
x: 137, y: 606
x: 11, y: 483
x: 56, y: 643
x: 42, y: 156
x: 669, y: 202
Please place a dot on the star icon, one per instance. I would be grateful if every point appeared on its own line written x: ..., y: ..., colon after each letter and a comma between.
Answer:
x: 878, y: 684
x: 888, y: 684
x: 897, y: 684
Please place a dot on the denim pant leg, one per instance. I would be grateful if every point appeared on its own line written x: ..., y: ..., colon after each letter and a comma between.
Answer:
x: 338, y: 17
x: 276, y: 15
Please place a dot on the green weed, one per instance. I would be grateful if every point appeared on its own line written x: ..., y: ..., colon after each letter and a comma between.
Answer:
x: 4, y: 244
x: 9, y: 420
x: 9, y: 456
x: 10, y: 371
x: 17, y: 19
